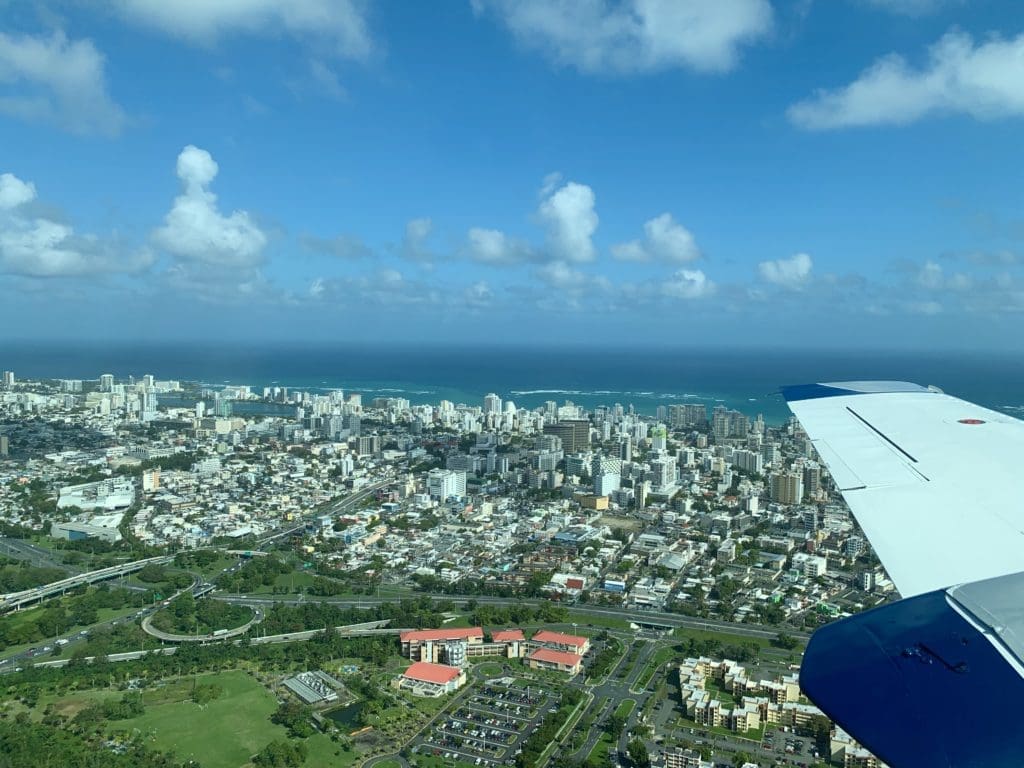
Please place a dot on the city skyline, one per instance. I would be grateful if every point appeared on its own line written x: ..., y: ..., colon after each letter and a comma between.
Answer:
x: 840, y: 173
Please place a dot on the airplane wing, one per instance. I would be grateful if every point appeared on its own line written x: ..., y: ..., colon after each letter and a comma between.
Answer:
x: 937, y: 678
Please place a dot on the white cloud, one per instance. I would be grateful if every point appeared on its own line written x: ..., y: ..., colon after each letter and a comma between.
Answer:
x: 932, y: 277
x: 923, y: 307
x: 558, y: 274
x: 53, y: 79
x: 636, y: 35
x: 14, y: 191
x: 327, y: 79
x: 39, y: 246
x: 793, y: 272
x: 569, y: 220
x: 338, y: 25
x: 688, y: 284
x: 984, y: 81
x: 492, y: 246
x: 195, y: 230
x: 664, y: 239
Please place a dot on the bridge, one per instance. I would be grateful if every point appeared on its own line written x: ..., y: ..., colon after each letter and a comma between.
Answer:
x: 16, y: 600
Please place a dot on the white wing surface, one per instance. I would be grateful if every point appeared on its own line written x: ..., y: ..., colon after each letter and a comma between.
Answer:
x: 931, y: 479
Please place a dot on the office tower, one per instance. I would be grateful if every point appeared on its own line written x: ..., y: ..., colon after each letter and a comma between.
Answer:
x: 626, y: 448
x: 606, y: 473
x: 8, y: 379
x: 107, y: 382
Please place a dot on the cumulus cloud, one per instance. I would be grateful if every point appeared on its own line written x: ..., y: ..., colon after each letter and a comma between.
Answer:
x: 56, y: 80
x: 569, y: 221
x: 339, y: 26
x: 383, y: 287
x: 40, y: 246
x: 626, y: 36
x: 492, y: 246
x: 688, y: 284
x: 985, y: 81
x: 664, y: 239
x: 931, y: 276
x: 15, y: 192
x: 195, y: 230
x: 558, y: 274
x: 793, y: 272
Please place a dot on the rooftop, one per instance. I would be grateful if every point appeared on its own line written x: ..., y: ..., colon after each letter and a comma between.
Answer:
x: 427, y: 672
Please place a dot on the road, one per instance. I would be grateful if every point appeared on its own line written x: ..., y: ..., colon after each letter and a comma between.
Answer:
x: 352, y: 499
x: 638, y: 617
x: 19, y: 549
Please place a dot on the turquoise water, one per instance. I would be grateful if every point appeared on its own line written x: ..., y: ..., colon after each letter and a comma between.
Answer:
x: 744, y: 379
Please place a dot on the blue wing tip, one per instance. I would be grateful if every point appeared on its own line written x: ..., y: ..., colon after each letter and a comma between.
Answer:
x: 795, y: 392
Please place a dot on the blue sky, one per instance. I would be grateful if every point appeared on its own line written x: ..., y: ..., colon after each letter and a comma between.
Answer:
x: 643, y: 172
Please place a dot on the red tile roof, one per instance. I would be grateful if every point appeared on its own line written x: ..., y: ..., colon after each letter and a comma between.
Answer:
x: 555, y: 657
x: 451, y: 633
x: 548, y: 637
x: 574, y: 583
x: 432, y: 673
x: 507, y: 635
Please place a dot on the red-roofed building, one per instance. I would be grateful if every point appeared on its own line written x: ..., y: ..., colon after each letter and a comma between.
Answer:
x: 423, y: 678
x: 430, y: 644
x: 507, y: 635
x: 558, y: 642
x: 575, y: 584
x: 560, y: 661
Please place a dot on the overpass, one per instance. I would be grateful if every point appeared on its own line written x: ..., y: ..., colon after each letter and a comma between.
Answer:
x: 16, y: 600
x: 660, y: 619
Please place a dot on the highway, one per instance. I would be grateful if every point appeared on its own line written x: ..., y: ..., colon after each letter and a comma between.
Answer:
x: 28, y: 596
x: 339, y: 506
x: 19, y: 549
x: 638, y: 617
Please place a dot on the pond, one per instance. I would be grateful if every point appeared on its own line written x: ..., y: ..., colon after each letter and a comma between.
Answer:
x: 347, y: 716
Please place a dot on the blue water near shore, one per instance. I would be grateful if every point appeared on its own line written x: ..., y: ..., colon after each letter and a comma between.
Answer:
x: 747, y: 380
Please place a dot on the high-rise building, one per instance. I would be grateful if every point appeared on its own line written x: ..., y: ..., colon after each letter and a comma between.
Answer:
x: 659, y: 438
x: 812, y: 477
x: 574, y: 433
x: 107, y: 382
x: 5, y: 445
x: 606, y: 473
x: 8, y: 379
x: 786, y: 487
x: 664, y: 474
x: 492, y: 403
x: 445, y: 483
x: 626, y: 448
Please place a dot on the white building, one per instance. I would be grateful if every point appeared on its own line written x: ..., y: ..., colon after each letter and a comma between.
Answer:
x: 445, y: 483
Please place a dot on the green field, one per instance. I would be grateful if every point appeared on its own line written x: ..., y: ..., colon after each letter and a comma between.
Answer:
x: 222, y: 734
x: 625, y: 707
x: 588, y: 620
x: 598, y: 756
x: 103, y: 614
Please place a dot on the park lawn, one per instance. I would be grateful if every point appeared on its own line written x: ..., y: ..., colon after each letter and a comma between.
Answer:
x: 222, y: 734
x: 324, y: 753
x: 587, y: 620
x: 722, y: 637
x: 69, y: 705
x: 488, y: 669
x: 295, y: 582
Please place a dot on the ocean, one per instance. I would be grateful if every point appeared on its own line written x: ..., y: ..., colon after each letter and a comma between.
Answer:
x: 745, y: 379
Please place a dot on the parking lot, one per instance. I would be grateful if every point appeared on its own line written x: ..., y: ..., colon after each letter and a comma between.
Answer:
x: 489, y: 727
